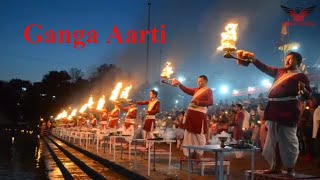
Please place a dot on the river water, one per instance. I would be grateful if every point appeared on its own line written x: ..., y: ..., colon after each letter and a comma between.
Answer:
x: 20, y: 155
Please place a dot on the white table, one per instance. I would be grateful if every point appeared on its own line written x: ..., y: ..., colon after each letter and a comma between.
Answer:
x: 154, y: 141
x: 220, y: 153
x: 115, y: 137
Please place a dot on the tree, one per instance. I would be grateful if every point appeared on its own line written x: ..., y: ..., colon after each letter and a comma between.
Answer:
x: 56, y: 91
x: 75, y: 75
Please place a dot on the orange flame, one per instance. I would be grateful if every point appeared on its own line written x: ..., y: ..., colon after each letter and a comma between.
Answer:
x: 229, y: 37
x: 116, y: 91
x: 125, y: 92
x: 64, y: 114
x: 167, y: 71
x: 83, y: 108
x: 73, y: 113
x: 90, y: 102
x: 101, y: 103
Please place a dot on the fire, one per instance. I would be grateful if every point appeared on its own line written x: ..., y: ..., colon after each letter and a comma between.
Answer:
x: 101, y: 103
x: 87, y: 105
x: 83, y: 108
x: 115, y: 92
x: 74, y: 112
x: 64, y: 114
x: 167, y: 71
x: 125, y: 92
x: 229, y: 37
x: 90, y: 102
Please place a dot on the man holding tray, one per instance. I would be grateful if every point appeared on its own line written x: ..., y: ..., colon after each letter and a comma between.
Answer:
x: 282, y: 111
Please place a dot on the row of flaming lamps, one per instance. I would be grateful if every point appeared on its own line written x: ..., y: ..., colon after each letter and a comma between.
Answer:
x: 113, y: 98
x: 228, y: 41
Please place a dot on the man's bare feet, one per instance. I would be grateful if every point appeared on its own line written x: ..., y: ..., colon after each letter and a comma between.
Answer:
x: 291, y: 172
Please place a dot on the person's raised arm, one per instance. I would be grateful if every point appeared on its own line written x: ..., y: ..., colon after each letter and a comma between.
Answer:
x: 271, y: 71
x: 142, y: 102
x: 126, y: 109
x: 186, y: 90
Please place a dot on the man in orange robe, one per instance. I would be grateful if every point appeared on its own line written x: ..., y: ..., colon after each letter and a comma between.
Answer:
x: 196, y: 114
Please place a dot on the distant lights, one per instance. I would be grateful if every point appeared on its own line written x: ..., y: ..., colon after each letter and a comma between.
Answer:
x: 235, y: 91
x: 224, y: 89
x: 251, y: 89
x: 266, y: 83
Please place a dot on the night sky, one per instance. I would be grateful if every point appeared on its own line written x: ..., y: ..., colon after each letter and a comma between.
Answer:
x: 193, y: 29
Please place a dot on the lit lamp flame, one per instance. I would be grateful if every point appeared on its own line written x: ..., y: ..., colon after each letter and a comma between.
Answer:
x: 64, y: 114
x: 229, y: 38
x: 90, y: 102
x: 125, y: 92
x: 167, y: 71
x: 101, y: 103
x: 228, y: 43
x: 83, y: 108
x: 73, y: 113
x: 116, y: 91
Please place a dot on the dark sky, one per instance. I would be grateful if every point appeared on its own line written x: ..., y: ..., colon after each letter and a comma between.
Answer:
x: 193, y: 30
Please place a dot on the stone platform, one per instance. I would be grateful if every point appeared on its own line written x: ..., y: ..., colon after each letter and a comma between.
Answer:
x: 238, y: 167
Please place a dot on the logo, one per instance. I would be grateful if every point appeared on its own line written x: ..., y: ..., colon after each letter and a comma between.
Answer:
x: 298, y: 15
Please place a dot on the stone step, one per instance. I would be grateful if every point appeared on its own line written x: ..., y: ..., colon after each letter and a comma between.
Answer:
x: 67, y: 167
x: 99, y: 162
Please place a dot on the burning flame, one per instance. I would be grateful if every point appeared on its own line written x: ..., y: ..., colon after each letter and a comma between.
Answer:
x: 167, y: 71
x: 229, y: 37
x: 90, y: 102
x: 101, y: 103
x: 115, y: 92
x: 73, y: 113
x: 125, y: 92
x: 83, y: 108
x: 64, y: 114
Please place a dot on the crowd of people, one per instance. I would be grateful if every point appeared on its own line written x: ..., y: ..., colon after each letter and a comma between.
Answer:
x: 283, y: 124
